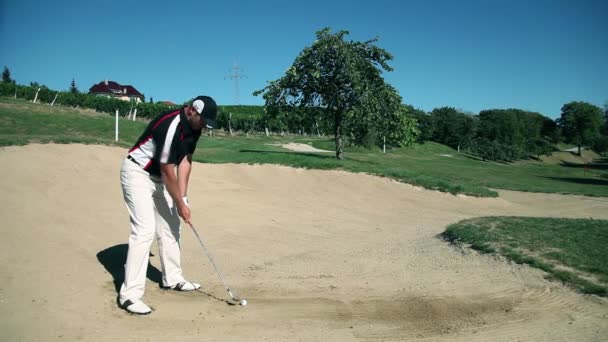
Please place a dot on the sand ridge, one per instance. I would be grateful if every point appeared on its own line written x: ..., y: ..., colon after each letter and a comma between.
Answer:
x: 320, y: 256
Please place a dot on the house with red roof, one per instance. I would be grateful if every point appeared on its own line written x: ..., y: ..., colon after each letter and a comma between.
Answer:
x: 116, y: 90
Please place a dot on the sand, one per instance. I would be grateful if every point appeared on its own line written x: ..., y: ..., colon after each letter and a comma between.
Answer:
x: 319, y: 255
x: 300, y: 147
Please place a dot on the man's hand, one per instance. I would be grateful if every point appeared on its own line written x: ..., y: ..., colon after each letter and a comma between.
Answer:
x: 171, y: 184
x: 184, y: 212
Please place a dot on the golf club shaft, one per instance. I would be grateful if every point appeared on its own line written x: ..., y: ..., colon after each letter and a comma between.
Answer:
x: 217, y: 270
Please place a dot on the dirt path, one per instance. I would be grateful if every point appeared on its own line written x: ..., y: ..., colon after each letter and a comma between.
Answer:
x: 320, y: 255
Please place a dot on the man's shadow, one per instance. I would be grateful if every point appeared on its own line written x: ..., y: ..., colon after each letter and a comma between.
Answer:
x: 114, y: 260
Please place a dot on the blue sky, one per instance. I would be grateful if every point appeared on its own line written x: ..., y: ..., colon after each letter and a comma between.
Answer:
x: 473, y: 55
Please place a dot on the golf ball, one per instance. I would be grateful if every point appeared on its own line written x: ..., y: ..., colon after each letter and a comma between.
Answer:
x: 243, y: 302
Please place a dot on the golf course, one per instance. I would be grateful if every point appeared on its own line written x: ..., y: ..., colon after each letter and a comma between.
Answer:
x: 422, y: 243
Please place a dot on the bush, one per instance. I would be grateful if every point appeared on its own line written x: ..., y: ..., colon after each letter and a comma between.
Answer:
x: 7, y: 89
x: 600, y: 144
x: 370, y: 139
x: 540, y: 147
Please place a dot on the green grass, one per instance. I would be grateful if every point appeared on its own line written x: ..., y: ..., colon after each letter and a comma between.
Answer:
x: 22, y: 123
x: 574, y: 251
x: 429, y: 165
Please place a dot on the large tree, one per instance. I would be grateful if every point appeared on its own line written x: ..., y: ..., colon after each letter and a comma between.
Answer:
x: 580, y: 123
x: 341, y: 78
x: 452, y: 127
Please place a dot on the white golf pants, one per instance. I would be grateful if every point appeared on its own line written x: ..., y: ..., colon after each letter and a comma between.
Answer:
x: 152, y: 213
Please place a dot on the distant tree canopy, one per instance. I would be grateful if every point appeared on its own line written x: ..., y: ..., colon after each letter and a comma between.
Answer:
x: 496, y: 134
x: 516, y: 133
x: 509, y: 126
x: 343, y: 81
x: 423, y: 123
x: 452, y: 127
x: 581, y: 123
x: 6, y: 75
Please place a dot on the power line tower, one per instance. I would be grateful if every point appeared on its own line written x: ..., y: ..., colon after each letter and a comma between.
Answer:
x: 236, y: 75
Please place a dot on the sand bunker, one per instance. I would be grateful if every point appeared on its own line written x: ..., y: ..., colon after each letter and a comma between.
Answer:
x: 320, y: 255
x: 299, y: 147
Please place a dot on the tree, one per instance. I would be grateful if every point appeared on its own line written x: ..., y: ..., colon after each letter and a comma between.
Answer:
x: 501, y: 125
x: 6, y: 75
x: 73, y: 88
x: 515, y: 127
x: 452, y: 127
x: 580, y: 123
x: 605, y: 126
x: 385, y: 122
x: 550, y: 131
x: 423, y: 123
x: 341, y: 78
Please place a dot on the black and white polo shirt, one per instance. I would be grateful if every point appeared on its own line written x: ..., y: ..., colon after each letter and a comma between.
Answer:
x: 167, y: 140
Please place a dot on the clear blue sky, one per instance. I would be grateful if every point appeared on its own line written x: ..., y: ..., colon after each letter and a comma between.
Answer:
x: 473, y: 55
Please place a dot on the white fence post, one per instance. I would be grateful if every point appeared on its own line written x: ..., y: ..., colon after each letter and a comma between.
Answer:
x: 116, y: 130
x: 230, y: 123
x: 36, y: 97
x: 134, y: 114
x: 384, y: 144
x: 53, y: 103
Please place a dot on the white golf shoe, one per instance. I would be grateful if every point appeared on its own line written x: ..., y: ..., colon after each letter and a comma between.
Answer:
x: 186, y: 286
x: 136, y: 306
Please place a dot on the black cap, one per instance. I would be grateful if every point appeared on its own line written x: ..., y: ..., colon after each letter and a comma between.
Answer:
x: 206, y: 107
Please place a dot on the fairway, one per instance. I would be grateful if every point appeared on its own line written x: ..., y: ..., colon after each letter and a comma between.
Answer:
x: 430, y: 165
x: 313, y: 265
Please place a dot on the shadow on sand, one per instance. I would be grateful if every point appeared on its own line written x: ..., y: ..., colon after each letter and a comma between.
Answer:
x: 114, y: 259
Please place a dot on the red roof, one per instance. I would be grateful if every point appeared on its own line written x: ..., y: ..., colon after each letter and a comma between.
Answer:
x: 113, y: 88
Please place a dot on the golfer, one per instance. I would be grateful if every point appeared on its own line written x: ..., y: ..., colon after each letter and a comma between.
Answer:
x: 154, y: 179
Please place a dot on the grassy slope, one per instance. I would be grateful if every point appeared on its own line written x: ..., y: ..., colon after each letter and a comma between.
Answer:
x: 574, y: 251
x: 426, y: 165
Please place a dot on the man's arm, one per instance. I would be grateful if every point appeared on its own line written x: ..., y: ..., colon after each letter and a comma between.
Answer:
x: 183, y: 174
x: 171, y: 183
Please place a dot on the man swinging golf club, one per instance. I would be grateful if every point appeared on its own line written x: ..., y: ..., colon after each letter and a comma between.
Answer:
x: 154, y: 178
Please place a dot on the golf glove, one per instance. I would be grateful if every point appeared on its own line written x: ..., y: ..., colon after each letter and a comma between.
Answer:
x: 185, y: 198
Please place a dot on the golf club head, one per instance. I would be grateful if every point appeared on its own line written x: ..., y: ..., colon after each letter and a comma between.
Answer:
x: 237, y: 301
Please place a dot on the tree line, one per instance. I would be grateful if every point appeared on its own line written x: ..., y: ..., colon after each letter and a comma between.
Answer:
x: 336, y: 87
x: 340, y: 83
x: 513, y: 134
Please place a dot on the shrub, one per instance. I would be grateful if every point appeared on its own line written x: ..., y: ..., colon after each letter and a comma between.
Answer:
x: 600, y: 144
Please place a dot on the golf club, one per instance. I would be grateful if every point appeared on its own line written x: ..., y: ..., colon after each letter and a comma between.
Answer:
x: 235, y: 300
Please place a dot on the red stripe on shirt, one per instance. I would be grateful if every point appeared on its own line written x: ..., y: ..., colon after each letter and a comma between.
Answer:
x: 165, y: 117
x: 141, y: 143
